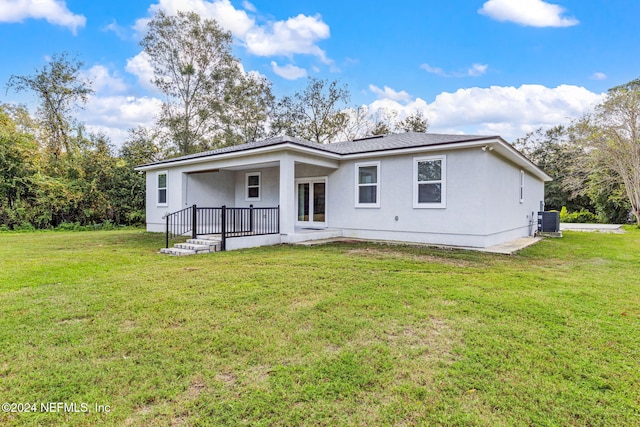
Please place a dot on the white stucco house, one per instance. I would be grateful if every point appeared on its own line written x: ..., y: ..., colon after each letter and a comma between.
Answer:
x: 459, y: 190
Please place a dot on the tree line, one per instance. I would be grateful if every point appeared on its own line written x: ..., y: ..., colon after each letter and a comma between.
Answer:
x: 595, y: 161
x: 54, y: 172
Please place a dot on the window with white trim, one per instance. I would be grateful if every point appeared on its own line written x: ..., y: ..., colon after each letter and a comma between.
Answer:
x: 429, y: 182
x: 253, y: 181
x: 368, y: 185
x: 521, y: 186
x: 162, y: 184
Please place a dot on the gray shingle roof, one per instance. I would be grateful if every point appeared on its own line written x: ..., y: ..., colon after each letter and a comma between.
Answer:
x: 364, y: 145
x: 400, y: 140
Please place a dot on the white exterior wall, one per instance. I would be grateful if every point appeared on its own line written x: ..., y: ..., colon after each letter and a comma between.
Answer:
x: 482, y: 196
x: 461, y: 223
x: 154, y: 213
x: 253, y: 241
x: 269, y: 194
x: 187, y: 184
x: 506, y: 217
x: 210, y: 189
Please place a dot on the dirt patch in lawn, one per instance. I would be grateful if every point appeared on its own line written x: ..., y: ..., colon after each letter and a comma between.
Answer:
x: 432, y: 339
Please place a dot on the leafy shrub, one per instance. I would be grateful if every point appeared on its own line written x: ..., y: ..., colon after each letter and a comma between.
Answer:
x: 136, y: 217
x: 582, y: 216
x: 24, y: 226
x: 108, y: 225
x: 69, y: 226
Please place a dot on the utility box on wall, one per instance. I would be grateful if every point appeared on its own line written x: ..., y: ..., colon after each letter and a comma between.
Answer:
x: 549, y: 222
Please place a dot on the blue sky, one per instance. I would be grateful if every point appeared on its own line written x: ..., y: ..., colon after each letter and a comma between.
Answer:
x: 500, y: 67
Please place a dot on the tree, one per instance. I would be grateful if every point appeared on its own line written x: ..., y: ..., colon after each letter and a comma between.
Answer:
x: 141, y: 147
x: 414, y: 122
x: 383, y: 121
x: 252, y: 105
x: 612, y: 137
x: 18, y: 153
x: 207, y: 93
x: 557, y: 152
x: 315, y: 114
x: 358, y: 123
x: 60, y: 90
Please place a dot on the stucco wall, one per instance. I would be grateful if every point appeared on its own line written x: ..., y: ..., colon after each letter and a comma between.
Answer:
x: 269, y: 188
x: 506, y: 217
x: 155, y: 222
x: 482, y: 201
x: 482, y: 196
x: 463, y: 215
x: 210, y: 189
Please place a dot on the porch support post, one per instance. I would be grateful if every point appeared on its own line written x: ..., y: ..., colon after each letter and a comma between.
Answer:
x: 287, y: 194
x: 194, y: 222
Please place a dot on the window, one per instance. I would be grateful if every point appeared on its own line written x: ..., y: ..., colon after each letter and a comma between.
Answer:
x: 521, y: 186
x: 368, y: 185
x: 162, y: 188
x: 429, y: 182
x: 253, y: 186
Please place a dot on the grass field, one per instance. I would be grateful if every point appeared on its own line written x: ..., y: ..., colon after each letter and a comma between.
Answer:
x: 342, y: 334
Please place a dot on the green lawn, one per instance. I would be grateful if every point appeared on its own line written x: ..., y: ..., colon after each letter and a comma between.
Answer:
x: 342, y: 334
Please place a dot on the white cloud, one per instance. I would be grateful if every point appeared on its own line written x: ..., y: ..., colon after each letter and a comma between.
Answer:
x: 388, y: 93
x: 533, y: 13
x: 294, y: 36
x: 433, y: 70
x: 599, y: 76
x: 297, y: 35
x: 249, y: 6
x: 229, y: 18
x: 140, y: 66
x: 117, y: 29
x: 115, y: 115
x: 289, y: 71
x: 507, y: 111
x: 53, y: 11
x: 103, y: 81
x: 477, y: 70
x: 474, y: 71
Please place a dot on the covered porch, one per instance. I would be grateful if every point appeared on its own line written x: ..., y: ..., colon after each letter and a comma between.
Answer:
x: 280, y: 194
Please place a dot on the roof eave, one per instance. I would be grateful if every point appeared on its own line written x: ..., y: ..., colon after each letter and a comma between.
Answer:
x: 503, y: 148
x: 281, y: 146
x: 507, y: 151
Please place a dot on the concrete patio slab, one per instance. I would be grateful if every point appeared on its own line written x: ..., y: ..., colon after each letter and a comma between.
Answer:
x: 602, y: 228
x: 509, y: 248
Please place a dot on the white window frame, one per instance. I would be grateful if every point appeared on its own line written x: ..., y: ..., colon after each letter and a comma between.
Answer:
x: 247, y: 186
x: 442, y: 181
x: 358, y: 185
x: 165, y: 188
x: 311, y: 181
x: 521, y: 186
